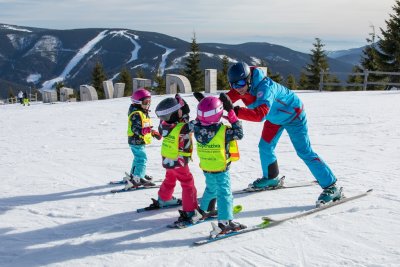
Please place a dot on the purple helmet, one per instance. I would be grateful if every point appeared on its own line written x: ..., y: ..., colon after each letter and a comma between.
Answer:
x: 209, y: 110
x: 139, y: 95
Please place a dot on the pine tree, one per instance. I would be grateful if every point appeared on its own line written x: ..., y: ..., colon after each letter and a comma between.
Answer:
x: 98, y: 76
x: 358, y: 79
x: 291, y: 82
x: 370, y: 61
x: 222, y: 76
x: 389, y: 45
x: 192, y: 70
x: 303, y: 81
x: 140, y: 73
x: 319, y: 64
x: 159, y: 87
x: 11, y: 93
x: 334, y: 79
x: 126, y: 78
x: 58, y: 87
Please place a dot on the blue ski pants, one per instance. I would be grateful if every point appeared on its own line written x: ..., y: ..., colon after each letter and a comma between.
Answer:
x: 298, y: 134
x: 138, y: 168
x: 218, y: 185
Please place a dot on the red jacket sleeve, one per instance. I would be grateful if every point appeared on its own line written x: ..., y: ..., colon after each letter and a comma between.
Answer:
x: 246, y: 98
x: 256, y: 114
x: 233, y: 95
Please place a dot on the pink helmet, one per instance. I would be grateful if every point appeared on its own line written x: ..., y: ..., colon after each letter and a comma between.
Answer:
x: 139, y: 95
x: 209, y: 110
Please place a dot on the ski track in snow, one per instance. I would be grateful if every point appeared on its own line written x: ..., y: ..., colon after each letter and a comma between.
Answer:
x: 66, y: 153
x: 164, y: 58
x: 75, y: 60
x: 137, y: 46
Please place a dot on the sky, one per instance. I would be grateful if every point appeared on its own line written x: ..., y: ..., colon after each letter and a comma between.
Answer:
x: 56, y: 208
x: 341, y: 24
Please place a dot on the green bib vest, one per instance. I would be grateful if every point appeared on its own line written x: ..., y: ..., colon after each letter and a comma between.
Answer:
x: 146, y: 123
x: 213, y: 154
x: 170, y: 144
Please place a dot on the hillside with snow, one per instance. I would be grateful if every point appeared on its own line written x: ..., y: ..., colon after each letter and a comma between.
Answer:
x: 39, y: 58
x: 56, y: 208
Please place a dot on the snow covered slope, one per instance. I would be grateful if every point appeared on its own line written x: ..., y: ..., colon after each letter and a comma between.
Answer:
x: 55, y: 209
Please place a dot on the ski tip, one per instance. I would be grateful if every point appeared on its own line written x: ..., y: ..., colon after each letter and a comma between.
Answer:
x: 237, y: 209
x: 370, y: 190
x: 267, y: 219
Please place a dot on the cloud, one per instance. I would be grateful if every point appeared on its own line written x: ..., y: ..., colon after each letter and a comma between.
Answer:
x: 213, y: 21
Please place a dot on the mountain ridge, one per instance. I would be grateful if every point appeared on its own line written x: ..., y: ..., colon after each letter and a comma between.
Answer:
x: 48, y: 55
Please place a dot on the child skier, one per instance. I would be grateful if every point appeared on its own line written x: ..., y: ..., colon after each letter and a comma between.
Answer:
x: 216, y: 148
x: 176, y: 151
x: 140, y: 133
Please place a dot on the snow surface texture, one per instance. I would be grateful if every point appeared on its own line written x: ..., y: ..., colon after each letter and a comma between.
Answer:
x: 56, y: 209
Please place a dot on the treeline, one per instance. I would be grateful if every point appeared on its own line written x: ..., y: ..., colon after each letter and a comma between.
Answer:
x: 381, y: 53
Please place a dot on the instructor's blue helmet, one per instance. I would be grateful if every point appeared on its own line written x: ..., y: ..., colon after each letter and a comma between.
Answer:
x: 237, y: 72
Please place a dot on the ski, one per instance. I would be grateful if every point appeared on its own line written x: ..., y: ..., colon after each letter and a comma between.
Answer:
x: 122, y: 181
x: 280, y: 186
x: 154, y: 206
x: 133, y: 189
x: 268, y: 222
x: 236, y: 209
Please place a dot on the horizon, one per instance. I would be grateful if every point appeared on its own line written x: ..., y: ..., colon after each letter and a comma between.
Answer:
x: 264, y: 21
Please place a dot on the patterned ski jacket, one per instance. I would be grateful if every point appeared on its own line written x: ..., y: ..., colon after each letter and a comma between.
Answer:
x: 136, y: 125
x: 185, y: 142
x: 204, y: 134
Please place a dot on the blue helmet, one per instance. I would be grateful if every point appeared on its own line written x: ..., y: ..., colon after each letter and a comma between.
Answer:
x: 238, y: 71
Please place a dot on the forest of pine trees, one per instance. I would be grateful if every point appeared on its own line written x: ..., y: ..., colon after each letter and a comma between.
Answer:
x: 381, y: 53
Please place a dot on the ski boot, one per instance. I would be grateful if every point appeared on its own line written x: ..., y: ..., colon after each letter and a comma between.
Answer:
x: 330, y: 194
x: 201, y: 215
x: 148, y: 177
x: 130, y: 176
x: 225, y: 227
x: 131, y: 182
x: 135, y: 181
x: 265, y: 184
x: 172, y: 202
x: 185, y: 218
x: 156, y: 203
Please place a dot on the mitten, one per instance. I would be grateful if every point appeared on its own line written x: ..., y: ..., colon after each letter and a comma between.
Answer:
x: 184, y: 106
x: 156, y: 134
x: 232, y: 118
x: 226, y: 101
x: 236, y: 109
x: 199, y: 96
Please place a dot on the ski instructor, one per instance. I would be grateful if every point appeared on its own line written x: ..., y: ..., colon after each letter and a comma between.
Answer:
x: 279, y: 109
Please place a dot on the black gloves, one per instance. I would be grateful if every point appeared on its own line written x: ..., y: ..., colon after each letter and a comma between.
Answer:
x: 236, y: 109
x: 199, y: 96
x: 226, y: 101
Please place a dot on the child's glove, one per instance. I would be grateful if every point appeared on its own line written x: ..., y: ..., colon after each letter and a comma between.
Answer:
x: 180, y: 100
x: 232, y: 118
x: 199, y: 96
x: 226, y: 101
x: 236, y: 109
x: 146, y: 130
x: 184, y: 106
x: 156, y: 134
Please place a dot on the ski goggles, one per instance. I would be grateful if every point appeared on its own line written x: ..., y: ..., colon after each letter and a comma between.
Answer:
x: 146, y: 102
x: 166, y: 114
x: 238, y: 84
